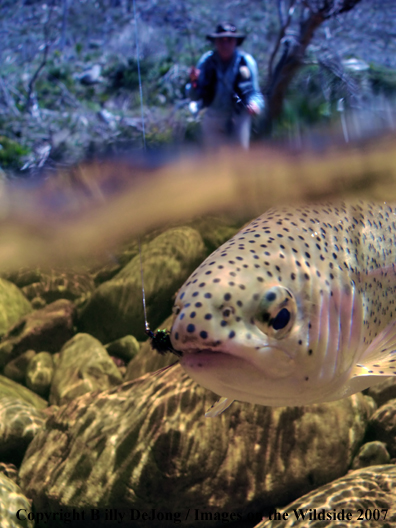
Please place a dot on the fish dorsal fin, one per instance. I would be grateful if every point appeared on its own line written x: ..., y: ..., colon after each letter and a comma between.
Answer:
x: 379, y: 359
x: 218, y: 407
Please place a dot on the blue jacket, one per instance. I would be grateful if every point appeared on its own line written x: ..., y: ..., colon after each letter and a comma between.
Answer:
x: 230, y: 89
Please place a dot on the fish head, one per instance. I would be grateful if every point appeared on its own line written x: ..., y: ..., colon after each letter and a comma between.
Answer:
x: 238, y: 342
x: 243, y: 334
x: 265, y: 321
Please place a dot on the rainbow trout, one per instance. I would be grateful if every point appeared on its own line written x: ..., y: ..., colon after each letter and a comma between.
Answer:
x: 297, y: 308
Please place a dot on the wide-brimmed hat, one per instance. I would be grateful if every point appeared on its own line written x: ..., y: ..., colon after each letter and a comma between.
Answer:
x: 226, y: 29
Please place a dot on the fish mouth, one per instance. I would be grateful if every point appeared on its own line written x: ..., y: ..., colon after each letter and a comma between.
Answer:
x: 277, y: 364
x: 241, y: 378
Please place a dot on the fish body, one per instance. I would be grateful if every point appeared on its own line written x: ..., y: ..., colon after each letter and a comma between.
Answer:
x: 297, y: 308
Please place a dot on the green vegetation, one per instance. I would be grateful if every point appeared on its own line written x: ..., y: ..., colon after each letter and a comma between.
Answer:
x: 11, y: 153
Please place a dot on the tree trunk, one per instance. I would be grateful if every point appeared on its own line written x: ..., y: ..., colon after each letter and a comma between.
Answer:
x: 314, y: 14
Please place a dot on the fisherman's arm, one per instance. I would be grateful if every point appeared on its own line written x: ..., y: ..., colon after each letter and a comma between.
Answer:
x: 198, y: 75
x: 255, y: 100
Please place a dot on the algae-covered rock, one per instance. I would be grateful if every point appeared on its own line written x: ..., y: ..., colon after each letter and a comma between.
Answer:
x: 40, y: 372
x: 16, y: 369
x: 125, y: 348
x: 115, y: 308
x: 369, y: 495
x: 11, y: 501
x: 382, y: 426
x: 147, y: 444
x: 52, y: 284
x: 215, y: 230
x: 384, y: 391
x: 10, y: 389
x: 46, y: 329
x: 371, y: 454
x: 84, y: 366
x: 19, y: 422
x: 13, y: 305
x: 10, y: 471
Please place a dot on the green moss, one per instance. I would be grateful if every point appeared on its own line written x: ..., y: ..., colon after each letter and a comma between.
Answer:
x: 11, y: 152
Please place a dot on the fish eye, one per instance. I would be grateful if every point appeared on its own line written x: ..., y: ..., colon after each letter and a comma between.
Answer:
x: 276, y: 312
x: 281, y: 320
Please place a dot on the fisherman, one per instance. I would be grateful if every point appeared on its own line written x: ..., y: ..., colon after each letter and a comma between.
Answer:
x: 225, y: 82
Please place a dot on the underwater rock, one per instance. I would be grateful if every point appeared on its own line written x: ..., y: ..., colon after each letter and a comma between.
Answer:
x: 383, y: 392
x: 19, y: 422
x: 11, y: 389
x: 382, y: 426
x: 40, y: 372
x: 149, y: 360
x: 84, y: 366
x: 16, y: 369
x: 12, y: 500
x: 115, y: 307
x: 215, y: 230
x: 46, y: 329
x: 10, y: 471
x: 51, y: 285
x: 361, y: 492
x: 371, y: 454
x: 13, y: 305
x: 146, y: 444
x: 60, y: 285
x: 125, y: 348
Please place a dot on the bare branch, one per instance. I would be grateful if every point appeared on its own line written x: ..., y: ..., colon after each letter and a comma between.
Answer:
x: 280, y: 12
x: 47, y: 44
x: 281, y: 34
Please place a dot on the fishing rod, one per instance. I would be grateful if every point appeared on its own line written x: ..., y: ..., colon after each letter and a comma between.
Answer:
x: 160, y: 339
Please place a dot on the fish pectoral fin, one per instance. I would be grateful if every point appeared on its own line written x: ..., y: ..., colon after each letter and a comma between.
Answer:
x: 218, y: 407
x: 379, y: 359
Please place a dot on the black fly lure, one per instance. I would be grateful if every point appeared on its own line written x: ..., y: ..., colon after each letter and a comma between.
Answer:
x: 160, y: 339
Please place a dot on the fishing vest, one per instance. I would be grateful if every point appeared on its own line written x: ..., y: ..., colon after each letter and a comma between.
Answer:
x: 226, y: 90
